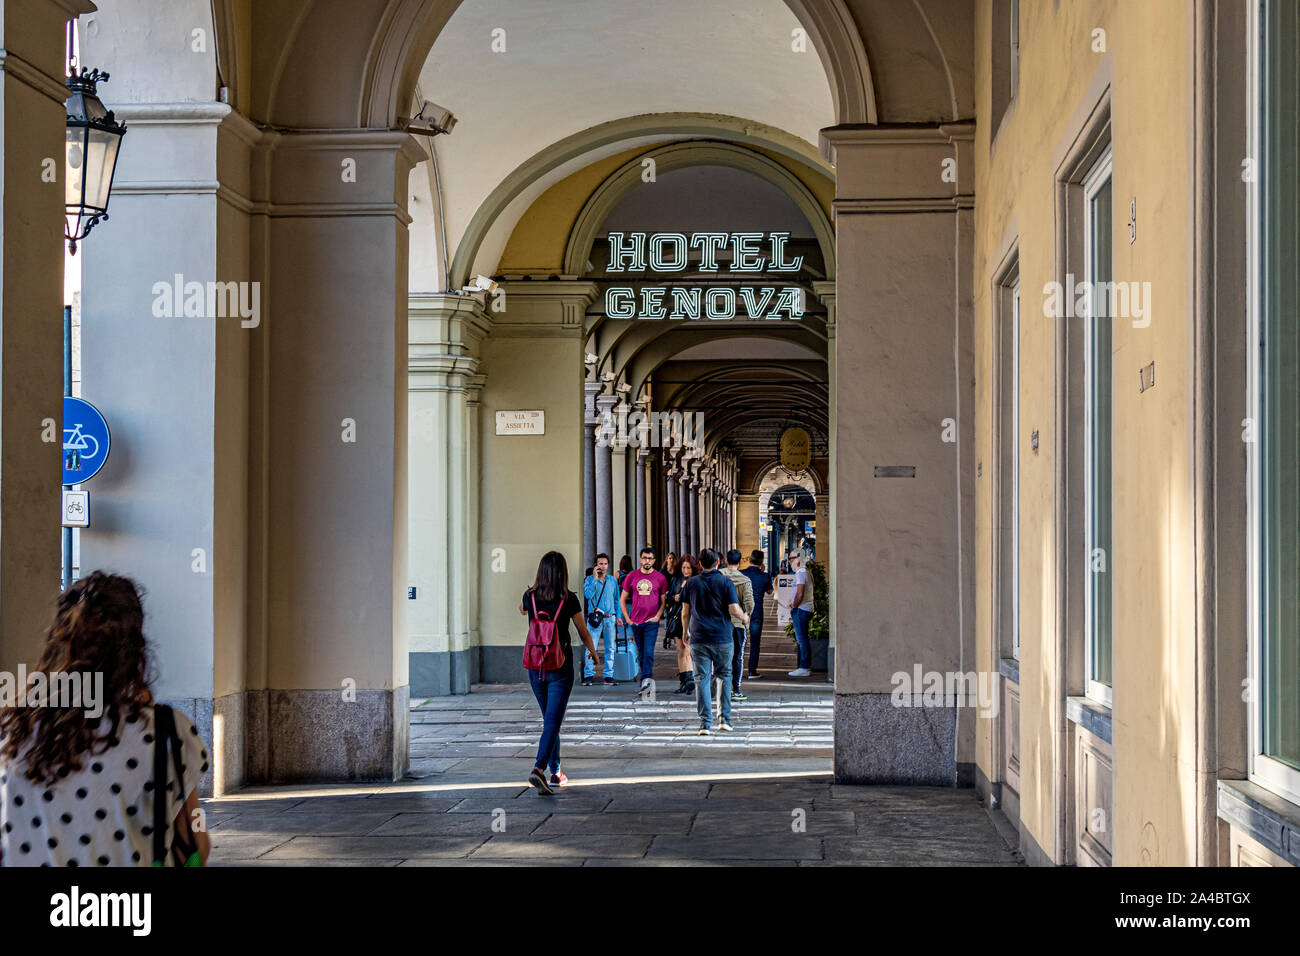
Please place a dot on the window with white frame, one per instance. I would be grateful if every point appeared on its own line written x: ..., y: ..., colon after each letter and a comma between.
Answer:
x: 1015, y: 47
x: 1007, y: 467
x: 1015, y: 469
x: 1099, y: 566
x: 1274, y: 454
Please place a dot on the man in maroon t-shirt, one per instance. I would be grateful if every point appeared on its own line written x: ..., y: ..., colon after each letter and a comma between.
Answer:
x: 645, y: 590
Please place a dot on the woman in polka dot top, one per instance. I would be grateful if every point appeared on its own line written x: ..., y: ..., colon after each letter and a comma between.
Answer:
x: 77, y: 780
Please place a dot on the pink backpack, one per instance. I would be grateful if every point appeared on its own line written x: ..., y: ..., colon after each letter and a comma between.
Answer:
x: 543, y: 650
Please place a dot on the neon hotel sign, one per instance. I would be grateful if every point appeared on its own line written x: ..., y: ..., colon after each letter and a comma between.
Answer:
x: 751, y: 253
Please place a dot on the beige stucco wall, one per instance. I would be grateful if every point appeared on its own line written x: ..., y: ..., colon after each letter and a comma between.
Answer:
x: 1149, y: 45
x: 530, y: 485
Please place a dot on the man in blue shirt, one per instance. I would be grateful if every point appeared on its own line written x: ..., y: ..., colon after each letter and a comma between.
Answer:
x: 762, y: 582
x: 708, y: 602
x: 600, y: 597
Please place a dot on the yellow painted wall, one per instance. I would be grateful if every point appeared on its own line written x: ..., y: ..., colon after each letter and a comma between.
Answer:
x: 1149, y: 43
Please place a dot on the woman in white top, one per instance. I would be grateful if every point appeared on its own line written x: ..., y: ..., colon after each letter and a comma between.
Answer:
x: 77, y: 779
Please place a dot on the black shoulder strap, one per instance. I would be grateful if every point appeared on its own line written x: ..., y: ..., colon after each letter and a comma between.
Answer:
x: 164, y: 727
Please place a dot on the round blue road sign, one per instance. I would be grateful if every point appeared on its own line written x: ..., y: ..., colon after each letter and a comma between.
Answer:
x: 85, y: 440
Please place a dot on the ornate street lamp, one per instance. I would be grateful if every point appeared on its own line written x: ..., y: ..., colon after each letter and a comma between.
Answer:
x: 93, y: 138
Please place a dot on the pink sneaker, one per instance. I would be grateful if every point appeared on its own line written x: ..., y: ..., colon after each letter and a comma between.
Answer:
x: 558, y: 780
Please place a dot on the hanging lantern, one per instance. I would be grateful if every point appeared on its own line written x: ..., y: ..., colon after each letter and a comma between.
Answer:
x: 93, y: 138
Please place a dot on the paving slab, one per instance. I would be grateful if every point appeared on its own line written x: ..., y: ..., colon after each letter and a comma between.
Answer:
x: 478, y: 861
x: 651, y: 861
x: 790, y: 846
x: 746, y: 823
x: 670, y: 823
x: 235, y: 845
x: 645, y: 791
x: 569, y: 846
x: 460, y: 824
x: 308, y: 849
x: 331, y: 823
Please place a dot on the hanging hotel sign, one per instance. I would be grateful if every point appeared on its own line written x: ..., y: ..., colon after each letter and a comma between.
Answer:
x: 527, y: 422
x: 750, y: 254
x: 796, y: 450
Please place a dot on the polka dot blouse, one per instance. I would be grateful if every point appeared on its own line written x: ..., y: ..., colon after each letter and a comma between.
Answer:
x: 102, y: 814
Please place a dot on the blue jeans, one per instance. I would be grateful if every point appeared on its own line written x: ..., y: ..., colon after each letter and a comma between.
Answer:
x: 801, y: 617
x: 712, y: 660
x: 738, y: 635
x: 605, y: 635
x: 755, y: 636
x: 646, y: 636
x: 552, y: 693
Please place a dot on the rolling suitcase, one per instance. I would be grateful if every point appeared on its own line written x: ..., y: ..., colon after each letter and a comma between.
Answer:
x: 626, y: 665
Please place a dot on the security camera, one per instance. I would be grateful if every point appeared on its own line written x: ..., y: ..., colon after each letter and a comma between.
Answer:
x: 623, y: 388
x: 431, y: 119
x: 481, y: 284
x: 591, y: 358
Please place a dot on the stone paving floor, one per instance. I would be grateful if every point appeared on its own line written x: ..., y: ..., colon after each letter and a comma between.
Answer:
x: 645, y: 790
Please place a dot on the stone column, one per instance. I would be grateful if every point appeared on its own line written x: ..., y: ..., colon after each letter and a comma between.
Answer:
x: 619, y: 508
x: 715, y: 502
x: 901, y: 248
x: 473, y: 425
x: 590, y: 423
x: 705, y: 538
x: 31, y: 330
x: 604, y: 479
x: 444, y: 333
x: 684, y: 505
x: 826, y: 535
x: 642, y: 466
x: 747, y: 534
x: 672, y: 500
x: 693, y: 530
x: 178, y: 523
x: 328, y: 573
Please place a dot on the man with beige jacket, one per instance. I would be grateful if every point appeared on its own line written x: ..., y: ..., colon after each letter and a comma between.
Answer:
x: 740, y: 629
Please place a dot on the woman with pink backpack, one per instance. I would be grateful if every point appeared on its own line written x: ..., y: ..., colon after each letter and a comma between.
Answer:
x: 548, y: 658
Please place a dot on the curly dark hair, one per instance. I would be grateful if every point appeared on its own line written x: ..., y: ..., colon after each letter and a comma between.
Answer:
x: 696, y: 568
x: 98, y: 628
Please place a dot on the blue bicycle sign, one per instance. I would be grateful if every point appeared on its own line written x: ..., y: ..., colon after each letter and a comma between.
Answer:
x: 85, y: 440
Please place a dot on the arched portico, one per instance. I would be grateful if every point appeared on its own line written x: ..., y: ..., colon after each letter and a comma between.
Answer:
x: 305, y: 592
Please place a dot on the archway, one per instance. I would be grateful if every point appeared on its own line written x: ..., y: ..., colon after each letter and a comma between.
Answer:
x: 276, y: 206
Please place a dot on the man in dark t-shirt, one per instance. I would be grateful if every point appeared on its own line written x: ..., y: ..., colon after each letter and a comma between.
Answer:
x: 709, y: 601
x: 762, y: 582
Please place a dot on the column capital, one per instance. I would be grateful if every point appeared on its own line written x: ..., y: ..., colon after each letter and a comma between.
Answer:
x: 532, y: 308
x: 909, y: 158
x: 443, y: 334
x: 295, y: 174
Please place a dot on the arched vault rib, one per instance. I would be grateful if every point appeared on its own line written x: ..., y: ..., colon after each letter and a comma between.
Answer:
x: 620, y: 343
x: 636, y: 364
x: 380, y: 61
x: 606, y: 137
x: 680, y: 156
